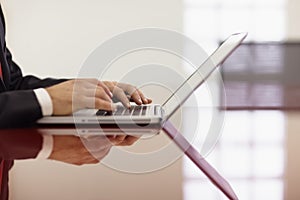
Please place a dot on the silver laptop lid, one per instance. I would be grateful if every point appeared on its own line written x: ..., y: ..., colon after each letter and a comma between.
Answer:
x: 201, y: 74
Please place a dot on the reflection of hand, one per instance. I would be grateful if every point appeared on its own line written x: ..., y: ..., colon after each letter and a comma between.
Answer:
x: 71, y: 149
x: 74, y: 95
x: 122, y: 90
x: 86, y: 150
x: 123, y: 140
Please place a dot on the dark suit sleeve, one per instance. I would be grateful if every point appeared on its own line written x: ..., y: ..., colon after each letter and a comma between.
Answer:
x: 19, y: 109
x: 19, y: 144
x: 19, y: 105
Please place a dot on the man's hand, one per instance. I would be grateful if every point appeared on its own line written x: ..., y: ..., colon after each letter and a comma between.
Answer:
x: 86, y: 150
x: 73, y: 95
x: 126, y: 92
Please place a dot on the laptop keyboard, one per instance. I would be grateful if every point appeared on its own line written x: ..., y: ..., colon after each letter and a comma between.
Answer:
x: 122, y: 111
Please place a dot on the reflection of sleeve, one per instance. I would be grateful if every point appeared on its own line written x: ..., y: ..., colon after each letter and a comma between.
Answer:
x: 20, y: 144
x: 47, y: 147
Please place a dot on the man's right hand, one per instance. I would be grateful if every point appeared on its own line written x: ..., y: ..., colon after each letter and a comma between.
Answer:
x: 73, y: 95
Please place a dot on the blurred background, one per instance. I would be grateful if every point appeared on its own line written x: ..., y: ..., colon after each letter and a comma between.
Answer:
x: 258, y: 150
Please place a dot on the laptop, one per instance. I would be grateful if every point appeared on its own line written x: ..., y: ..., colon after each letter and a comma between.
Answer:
x: 147, y: 119
x: 144, y: 119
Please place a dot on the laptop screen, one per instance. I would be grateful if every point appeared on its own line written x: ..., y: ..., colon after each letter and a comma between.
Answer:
x: 202, y: 73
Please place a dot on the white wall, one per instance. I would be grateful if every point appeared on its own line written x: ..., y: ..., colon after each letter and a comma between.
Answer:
x: 53, y: 38
x: 293, y: 17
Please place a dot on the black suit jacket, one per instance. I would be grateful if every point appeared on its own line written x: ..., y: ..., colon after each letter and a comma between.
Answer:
x: 18, y: 108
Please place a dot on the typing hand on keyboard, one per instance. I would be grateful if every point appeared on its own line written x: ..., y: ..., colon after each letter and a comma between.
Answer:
x: 125, y: 93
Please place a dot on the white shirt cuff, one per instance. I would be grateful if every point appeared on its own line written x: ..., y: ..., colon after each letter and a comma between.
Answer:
x: 45, y: 101
x: 46, y: 148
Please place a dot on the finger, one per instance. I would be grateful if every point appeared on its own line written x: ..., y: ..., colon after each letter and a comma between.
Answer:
x: 144, y: 99
x: 136, y: 97
x: 100, y: 93
x: 115, y: 140
x: 149, y: 100
x: 135, y: 94
x: 110, y: 84
x: 106, y: 89
x: 132, y: 91
x: 129, y: 140
x: 121, y: 96
x: 110, y: 138
x: 118, y: 139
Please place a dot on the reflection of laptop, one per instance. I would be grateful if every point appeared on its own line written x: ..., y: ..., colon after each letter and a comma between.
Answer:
x: 140, y: 118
